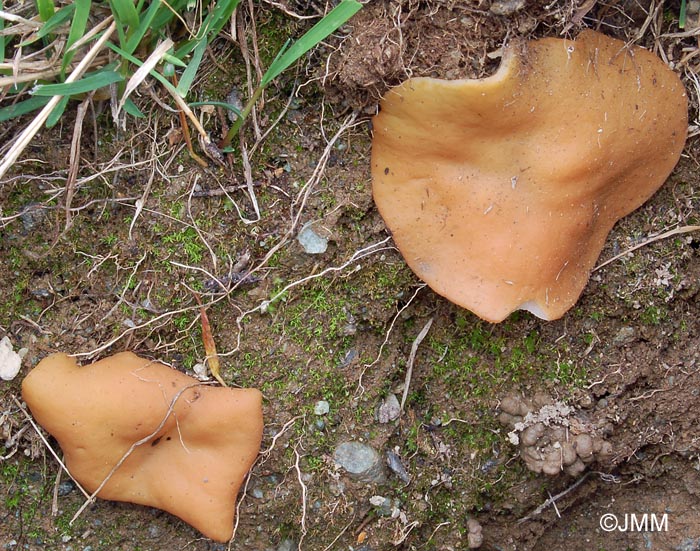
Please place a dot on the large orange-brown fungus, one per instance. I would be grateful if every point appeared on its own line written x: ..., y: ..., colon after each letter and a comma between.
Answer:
x: 500, y: 192
x: 192, y: 466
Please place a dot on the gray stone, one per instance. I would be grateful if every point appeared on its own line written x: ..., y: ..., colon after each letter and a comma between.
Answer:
x: 322, y: 407
x: 349, y: 357
x: 32, y: 216
x: 234, y: 98
x: 390, y: 409
x: 393, y: 460
x: 625, y: 335
x: 311, y: 241
x: 361, y: 461
x: 506, y: 7
x: 65, y: 488
x: 287, y: 545
x: 474, y: 537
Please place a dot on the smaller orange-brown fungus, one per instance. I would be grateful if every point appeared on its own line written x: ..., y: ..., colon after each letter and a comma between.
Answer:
x: 192, y: 467
x: 500, y: 192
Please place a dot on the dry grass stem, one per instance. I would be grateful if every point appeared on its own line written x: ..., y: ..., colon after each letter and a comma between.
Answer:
x: 142, y: 72
x: 661, y: 236
x: 281, y: 432
x: 248, y: 173
x: 305, y: 191
x: 401, y: 310
x: 412, y: 359
x: 74, y: 161
x: 214, y: 259
x: 30, y: 131
x: 553, y: 500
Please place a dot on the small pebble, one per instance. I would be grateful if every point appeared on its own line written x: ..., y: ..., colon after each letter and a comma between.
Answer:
x: 384, y: 506
x: 234, y: 99
x: 625, y: 335
x: 474, y: 537
x: 32, y: 216
x: 65, y: 488
x: 311, y: 241
x: 287, y: 545
x: 506, y: 7
x: 389, y: 410
x: 257, y: 493
x: 396, y: 466
x: 349, y: 357
x: 361, y: 461
x: 322, y: 407
x: 10, y: 361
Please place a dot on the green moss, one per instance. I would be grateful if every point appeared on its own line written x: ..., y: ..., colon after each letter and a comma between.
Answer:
x: 653, y: 315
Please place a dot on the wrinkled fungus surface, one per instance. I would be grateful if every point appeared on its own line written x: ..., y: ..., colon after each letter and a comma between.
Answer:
x: 500, y: 192
x: 197, y: 442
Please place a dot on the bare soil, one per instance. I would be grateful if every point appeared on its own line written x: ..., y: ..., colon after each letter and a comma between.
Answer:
x: 341, y: 327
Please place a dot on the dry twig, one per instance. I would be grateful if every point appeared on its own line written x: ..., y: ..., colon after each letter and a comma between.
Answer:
x: 664, y: 235
x: 553, y: 500
x: 412, y: 359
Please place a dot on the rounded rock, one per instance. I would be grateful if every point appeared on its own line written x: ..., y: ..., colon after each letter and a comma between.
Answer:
x: 322, y: 407
x: 361, y: 461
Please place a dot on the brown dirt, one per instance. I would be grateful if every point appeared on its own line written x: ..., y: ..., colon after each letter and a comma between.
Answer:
x: 627, y: 357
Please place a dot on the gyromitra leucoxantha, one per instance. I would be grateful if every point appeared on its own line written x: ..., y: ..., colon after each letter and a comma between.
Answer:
x: 197, y: 442
x: 500, y: 192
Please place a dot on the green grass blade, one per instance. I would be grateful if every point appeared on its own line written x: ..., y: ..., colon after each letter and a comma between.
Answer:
x: 211, y: 26
x: 90, y: 82
x: 330, y: 23
x: 682, y: 15
x: 165, y: 16
x: 127, y: 19
x: 77, y: 29
x: 174, y: 60
x: 220, y: 16
x: 57, y: 112
x: 131, y: 109
x: 145, y: 24
x: 56, y: 20
x: 22, y: 108
x: 191, y: 71
x: 46, y: 9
